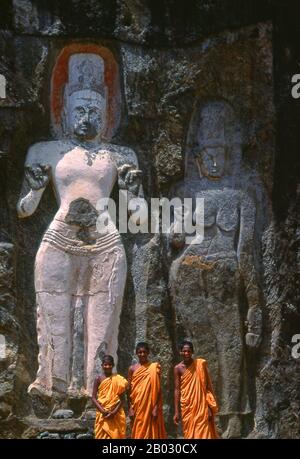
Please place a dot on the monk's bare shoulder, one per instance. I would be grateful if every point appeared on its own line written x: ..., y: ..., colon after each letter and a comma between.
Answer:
x: 97, y: 382
x: 99, y: 379
x: 133, y: 368
x: 179, y: 368
x: 158, y: 367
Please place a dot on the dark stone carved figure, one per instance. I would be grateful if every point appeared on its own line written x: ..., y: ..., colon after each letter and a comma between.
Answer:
x: 221, y: 312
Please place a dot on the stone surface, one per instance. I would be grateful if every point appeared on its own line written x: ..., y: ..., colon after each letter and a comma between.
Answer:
x: 172, y: 59
x: 89, y: 415
x: 54, y: 428
x: 70, y: 436
x: 84, y: 437
x: 9, y: 329
x: 63, y: 414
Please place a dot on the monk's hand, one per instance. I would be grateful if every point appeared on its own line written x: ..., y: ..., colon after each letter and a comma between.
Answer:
x: 154, y: 412
x: 110, y: 414
x: 131, y: 412
x: 176, y: 419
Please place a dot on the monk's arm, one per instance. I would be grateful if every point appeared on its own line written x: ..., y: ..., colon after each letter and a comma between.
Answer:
x: 210, y: 395
x: 94, y: 397
x: 114, y: 411
x: 176, y: 395
x: 159, y: 396
x: 120, y: 403
x: 116, y: 408
x: 130, y: 408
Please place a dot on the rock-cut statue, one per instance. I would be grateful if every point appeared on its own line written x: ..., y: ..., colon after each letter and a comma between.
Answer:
x: 80, y: 273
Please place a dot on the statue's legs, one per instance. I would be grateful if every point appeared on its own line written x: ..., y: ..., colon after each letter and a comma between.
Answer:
x: 213, y: 320
x: 53, y: 284
x: 107, y: 274
x: 79, y: 293
x: 222, y: 292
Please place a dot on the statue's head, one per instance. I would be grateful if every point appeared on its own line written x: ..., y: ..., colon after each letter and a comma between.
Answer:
x: 212, y: 161
x: 217, y: 134
x: 86, y: 114
x: 85, y: 101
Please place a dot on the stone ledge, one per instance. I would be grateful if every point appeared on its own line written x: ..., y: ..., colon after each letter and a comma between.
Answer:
x: 36, y: 426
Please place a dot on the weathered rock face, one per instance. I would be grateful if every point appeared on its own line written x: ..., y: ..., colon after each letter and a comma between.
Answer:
x: 173, y: 63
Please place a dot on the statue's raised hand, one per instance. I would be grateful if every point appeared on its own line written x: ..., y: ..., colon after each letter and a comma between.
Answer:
x: 129, y: 178
x: 37, y: 175
x: 253, y: 340
x: 254, y: 327
x: 177, y: 240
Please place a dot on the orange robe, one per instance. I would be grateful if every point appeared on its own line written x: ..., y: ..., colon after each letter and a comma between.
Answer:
x: 108, y: 396
x: 145, y: 390
x: 196, y: 395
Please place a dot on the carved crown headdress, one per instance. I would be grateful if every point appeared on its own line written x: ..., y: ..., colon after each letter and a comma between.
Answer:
x: 86, y: 71
x: 217, y: 125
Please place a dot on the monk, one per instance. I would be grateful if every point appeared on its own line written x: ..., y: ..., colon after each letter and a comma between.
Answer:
x: 145, y: 410
x: 193, y: 389
x: 110, y: 420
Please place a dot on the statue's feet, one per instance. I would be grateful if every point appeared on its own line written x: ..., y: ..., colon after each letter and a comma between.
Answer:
x: 75, y: 392
x: 233, y: 428
x: 39, y: 390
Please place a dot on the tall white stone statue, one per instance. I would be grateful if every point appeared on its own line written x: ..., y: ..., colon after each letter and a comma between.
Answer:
x: 80, y: 273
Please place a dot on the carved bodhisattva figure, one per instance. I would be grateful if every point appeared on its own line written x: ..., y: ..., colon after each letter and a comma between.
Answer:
x: 80, y: 273
x: 220, y: 272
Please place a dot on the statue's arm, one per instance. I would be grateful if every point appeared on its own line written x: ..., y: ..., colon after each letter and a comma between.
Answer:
x: 177, y: 237
x: 130, y: 185
x: 248, y: 270
x: 129, y: 174
x: 36, y: 178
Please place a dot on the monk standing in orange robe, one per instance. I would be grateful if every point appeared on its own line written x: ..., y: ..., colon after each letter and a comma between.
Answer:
x: 193, y: 389
x: 110, y: 420
x: 145, y: 397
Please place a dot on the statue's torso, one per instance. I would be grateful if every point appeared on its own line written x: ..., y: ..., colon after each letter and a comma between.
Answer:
x: 77, y: 173
x: 221, y: 221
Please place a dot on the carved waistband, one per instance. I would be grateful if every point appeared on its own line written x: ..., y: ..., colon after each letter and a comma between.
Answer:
x: 78, y: 247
